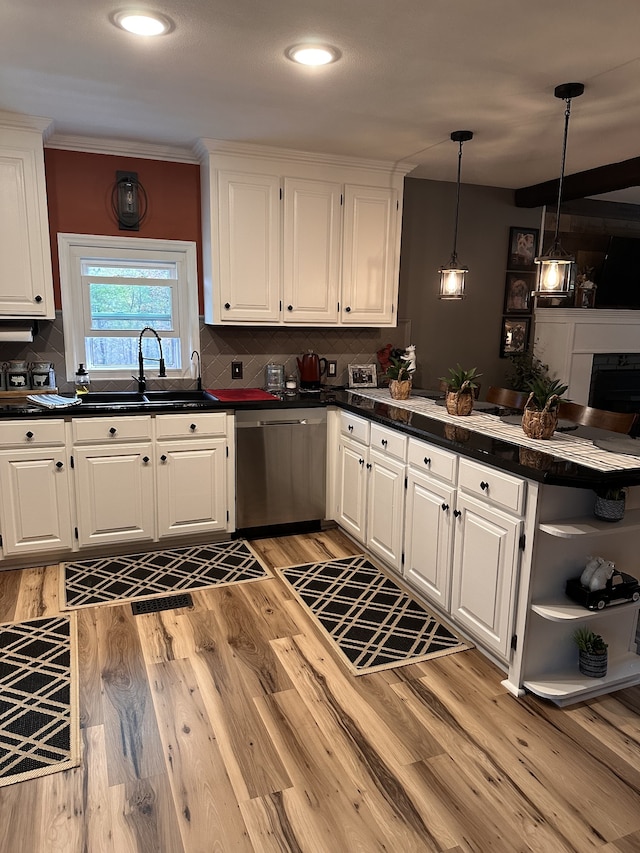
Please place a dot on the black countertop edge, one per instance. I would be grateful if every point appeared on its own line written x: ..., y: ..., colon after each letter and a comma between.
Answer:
x: 532, y: 464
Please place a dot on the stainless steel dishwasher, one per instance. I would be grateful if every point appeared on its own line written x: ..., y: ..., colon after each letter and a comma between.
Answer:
x: 281, y: 458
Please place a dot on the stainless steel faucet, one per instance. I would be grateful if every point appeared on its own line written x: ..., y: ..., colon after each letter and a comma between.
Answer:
x: 140, y: 378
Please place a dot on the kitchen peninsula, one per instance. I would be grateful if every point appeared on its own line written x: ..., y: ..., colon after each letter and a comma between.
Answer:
x: 484, y: 523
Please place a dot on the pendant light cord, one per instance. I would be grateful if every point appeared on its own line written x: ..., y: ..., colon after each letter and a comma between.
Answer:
x: 454, y: 254
x: 567, y: 113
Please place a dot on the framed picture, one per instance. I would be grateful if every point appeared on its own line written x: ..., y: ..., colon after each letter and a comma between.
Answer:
x: 517, y: 292
x: 515, y: 335
x: 362, y: 376
x: 523, y: 245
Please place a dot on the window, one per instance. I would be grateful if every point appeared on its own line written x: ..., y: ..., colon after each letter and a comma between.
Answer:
x: 112, y: 287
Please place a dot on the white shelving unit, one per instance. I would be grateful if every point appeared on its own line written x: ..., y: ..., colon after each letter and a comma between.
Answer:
x: 549, y: 663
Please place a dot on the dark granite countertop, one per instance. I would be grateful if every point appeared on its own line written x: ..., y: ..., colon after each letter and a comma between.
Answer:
x: 538, y: 465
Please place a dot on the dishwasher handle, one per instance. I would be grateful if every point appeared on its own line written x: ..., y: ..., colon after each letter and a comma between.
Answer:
x: 281, y: 423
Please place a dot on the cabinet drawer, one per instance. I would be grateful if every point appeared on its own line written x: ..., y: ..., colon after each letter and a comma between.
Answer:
x: 498, y: 488
x: 193, y: 424
x: 100, y: 430
x: 33, y: 433
x: 433, y: 460
x: 355, y: 427
x: 389, y: 442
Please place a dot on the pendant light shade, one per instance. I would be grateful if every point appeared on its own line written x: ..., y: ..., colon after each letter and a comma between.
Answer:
x: 452, y: 276
x: 556, y: 265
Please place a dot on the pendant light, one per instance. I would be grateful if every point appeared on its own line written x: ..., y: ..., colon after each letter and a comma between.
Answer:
x: 556, y: 265
x: 452, y: 277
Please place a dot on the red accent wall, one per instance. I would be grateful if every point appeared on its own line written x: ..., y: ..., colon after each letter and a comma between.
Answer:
x: 79, y: 187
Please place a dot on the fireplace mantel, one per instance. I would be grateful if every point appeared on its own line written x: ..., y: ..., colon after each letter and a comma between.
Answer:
x: 567, y: 339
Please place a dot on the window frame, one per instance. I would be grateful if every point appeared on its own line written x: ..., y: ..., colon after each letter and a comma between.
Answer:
x: 73, y: 249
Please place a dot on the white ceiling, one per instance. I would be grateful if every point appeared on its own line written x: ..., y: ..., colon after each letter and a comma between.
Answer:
x: 411, y: 72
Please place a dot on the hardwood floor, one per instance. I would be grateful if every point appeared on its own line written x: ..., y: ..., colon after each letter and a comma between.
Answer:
x: 231, y: 726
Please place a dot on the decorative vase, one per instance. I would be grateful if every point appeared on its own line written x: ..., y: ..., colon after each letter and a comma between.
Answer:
x: 609, y: 510
x: 538, y: 423
x: 595, y: 666
x: 400, y: 389
x: 459, y: 402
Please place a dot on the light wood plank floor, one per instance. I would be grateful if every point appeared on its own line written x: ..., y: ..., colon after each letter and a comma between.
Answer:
x: 231, y: 726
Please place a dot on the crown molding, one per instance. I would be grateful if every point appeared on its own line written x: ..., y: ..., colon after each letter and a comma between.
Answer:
x: 206, y: 147
x: 122, y: 148
x: 18, y: 121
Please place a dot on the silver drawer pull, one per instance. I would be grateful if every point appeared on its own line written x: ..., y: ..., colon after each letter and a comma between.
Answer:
x: 280, y: 423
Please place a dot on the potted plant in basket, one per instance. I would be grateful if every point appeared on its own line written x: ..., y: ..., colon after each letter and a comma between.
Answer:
x: 592, y: 653
x: 610, y: 503
x: 399, y: 376
x: 540, y: 416
x: 460, y: 387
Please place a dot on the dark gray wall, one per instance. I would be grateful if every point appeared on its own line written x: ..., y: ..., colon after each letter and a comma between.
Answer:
x: 447, y: 332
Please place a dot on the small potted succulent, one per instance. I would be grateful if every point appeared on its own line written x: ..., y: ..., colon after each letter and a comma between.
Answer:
x: 592, y: 653
x: 460, y: 387
x: 399, y: 376
x: 540, y: 416
x: 610, y: 503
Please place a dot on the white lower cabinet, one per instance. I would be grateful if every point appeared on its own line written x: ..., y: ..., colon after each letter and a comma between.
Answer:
x: 191, y: 486
x: 370, y: 486
x: 485, y: 563
x: 429, y: 536
x: 114, y: 493
x: 35, y: 493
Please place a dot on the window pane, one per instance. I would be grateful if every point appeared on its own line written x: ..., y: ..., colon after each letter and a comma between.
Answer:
x: 165, y: 272
x: 118, y: 306
x: 122, y: 353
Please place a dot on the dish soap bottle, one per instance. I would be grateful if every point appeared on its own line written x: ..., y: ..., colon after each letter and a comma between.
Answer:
x: 82, y: 380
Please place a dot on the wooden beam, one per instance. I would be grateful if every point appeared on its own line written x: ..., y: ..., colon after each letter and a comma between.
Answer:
x: 602, y: 209
x: 604, y: 179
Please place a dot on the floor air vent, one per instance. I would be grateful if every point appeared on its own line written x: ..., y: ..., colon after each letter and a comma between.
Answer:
x: 154, y: 605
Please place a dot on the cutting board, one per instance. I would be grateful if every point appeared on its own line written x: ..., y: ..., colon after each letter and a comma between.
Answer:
x: 239, y: 395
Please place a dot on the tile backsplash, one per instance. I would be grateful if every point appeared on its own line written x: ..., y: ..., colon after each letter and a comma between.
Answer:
x: 219, y: 346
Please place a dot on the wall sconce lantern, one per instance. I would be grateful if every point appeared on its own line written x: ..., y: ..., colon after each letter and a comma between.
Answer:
x: 128, y: 201
x: 452, y: 277
x: 556, y: 265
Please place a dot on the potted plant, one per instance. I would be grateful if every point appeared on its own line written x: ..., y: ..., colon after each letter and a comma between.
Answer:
x: 592, y: 653
x: 461, y: 385
x: 540, y: 416
x: 399, y: 377
x: 610, y: 503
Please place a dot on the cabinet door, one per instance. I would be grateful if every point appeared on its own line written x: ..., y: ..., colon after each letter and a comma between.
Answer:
x: 191, y: 487
x: 115, y: 493
x: 249, y: 248
x: 385, y: 508
x: 370, y: 256
x: 311, y: 251
x: 26, y: 284
x: 429, y: 537
x: 35, y: 509
x: 485, y: 565
x: 352, y: 488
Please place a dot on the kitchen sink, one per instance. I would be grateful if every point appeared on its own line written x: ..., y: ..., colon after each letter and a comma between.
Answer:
x: 111, y: 398
x: 179, y: 396
x: 125, y: 399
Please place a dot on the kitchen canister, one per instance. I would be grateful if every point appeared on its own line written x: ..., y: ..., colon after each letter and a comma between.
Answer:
x: 42, y: 375
x: 17, y: 376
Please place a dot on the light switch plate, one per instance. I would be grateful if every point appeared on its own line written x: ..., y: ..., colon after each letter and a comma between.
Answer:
x: 332, y: 368
x: 236, y: 370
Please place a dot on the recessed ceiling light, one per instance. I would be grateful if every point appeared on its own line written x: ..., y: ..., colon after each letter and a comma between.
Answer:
x: 313, y: 54
x: 143, y: 23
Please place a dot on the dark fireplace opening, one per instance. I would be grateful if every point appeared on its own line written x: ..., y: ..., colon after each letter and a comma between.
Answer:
x: 615, y: 382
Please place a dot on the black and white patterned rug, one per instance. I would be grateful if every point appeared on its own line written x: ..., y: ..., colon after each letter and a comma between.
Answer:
x: 113, y: 580
x: 375, y: 624
x: 39, y: 723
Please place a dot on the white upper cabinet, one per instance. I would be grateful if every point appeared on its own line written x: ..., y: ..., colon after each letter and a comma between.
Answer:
x: 26, y: 283
x: 291, y: 238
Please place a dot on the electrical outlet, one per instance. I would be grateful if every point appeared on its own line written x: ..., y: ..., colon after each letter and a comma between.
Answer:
x: 236, y: 370
x: 332, y: 368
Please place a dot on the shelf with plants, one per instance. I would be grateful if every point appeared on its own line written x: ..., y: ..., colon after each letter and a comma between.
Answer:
x: 566, y: 685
